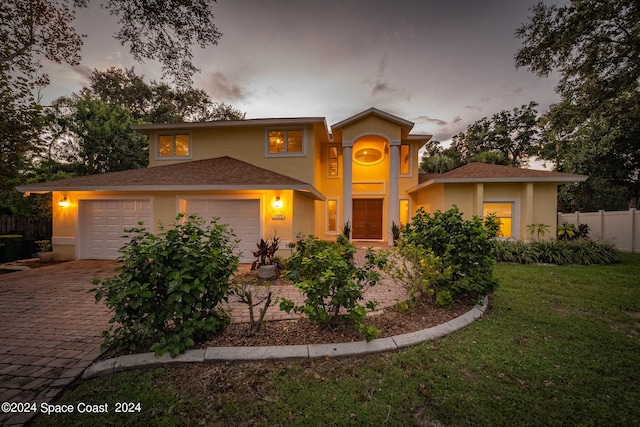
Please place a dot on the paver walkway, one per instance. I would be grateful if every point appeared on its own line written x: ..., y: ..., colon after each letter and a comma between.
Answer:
x: 50, y: 331
x: 51, y: 327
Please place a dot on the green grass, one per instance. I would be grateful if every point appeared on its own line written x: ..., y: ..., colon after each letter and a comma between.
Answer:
x: 559, y: 346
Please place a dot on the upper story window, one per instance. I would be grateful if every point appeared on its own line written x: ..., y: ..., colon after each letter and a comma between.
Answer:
x: 175, y: 145
x: 405, y: 159
x: 332, y: 161
x: 286, y: 142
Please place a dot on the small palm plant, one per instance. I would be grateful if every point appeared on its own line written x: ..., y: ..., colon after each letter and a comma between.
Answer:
x: 538, y: 229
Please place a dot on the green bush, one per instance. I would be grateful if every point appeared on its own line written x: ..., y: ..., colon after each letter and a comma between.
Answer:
x: 560, y: 252
x: 332, y: 283
x: 167, y: 290
x: 418, y: 269
x: 465, y: 248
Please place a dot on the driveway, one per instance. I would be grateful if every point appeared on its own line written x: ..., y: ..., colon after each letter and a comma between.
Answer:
x: 50, y: 331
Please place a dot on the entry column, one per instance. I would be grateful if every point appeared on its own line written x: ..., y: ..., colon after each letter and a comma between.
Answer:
x: 394, y: 201
x: 347, y: 182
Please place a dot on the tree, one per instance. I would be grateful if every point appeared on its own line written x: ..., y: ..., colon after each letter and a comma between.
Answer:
x: 438, y: 159
x: 99, y: 137
x: 33, y: 30
x: 509, y: 137
x: 595, y: 128
x: 156, y: 102
x: 163, y: 31
x: 594, y: 44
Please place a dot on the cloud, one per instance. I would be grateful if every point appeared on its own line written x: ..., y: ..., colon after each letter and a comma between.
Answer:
x: 381, y: 85
x: 84, y: 73
x: 429, y: 120
x: 224, y: 89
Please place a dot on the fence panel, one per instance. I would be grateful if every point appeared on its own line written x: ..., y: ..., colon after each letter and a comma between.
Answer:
x: 29, y: 228
x: 620, y: 228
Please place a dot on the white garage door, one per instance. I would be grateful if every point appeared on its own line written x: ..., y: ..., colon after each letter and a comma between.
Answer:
x: 242, y: 216
x: 102, y: 225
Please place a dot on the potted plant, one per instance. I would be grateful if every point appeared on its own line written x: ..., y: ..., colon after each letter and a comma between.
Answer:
x: 395, y: 232
x: 265, y: 262
x: 45, y: 254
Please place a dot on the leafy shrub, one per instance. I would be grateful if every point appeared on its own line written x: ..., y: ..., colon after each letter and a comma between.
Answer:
x: 465, y: 248
x: 169, y: 285
x: 566, y: 231
x: 328, y: 276
x: 561, y: 252
x: 418, y: 269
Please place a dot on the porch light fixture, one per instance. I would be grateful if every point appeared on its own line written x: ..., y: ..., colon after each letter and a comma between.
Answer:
x: 64, y: 202
x: 277, y: 203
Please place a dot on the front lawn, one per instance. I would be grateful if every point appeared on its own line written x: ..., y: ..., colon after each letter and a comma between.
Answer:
x: 559, y: 346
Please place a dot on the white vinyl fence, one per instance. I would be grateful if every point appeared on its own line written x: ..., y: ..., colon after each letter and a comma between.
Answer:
x: 620, y: 228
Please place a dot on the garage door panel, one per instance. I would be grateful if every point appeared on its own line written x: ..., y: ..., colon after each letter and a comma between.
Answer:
x: 102, y: 225
x: 242, y: 216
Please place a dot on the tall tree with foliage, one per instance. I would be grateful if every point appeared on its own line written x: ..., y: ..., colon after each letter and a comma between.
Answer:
x: 595, y: 128
x: 164, y: 31
x: 100, y: 138
x: 156, y: 102
x: 508, y: 137
x: 35, y: 30
x: 437, y: 159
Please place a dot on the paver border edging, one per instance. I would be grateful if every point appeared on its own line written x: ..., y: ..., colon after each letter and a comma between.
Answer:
x: 305, y: 351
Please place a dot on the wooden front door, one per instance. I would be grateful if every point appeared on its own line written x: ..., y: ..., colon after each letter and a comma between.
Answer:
x: 367, y: 219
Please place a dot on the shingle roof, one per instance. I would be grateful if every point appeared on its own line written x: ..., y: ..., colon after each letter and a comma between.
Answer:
x: 483, y: 172
x: 217, y: 173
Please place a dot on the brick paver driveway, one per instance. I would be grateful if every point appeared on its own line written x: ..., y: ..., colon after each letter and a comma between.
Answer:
x: 50, y: 330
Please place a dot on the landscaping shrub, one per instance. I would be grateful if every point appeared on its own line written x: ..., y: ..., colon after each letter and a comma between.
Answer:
x: 328, y: 276
x: 561, y: 252
x: 465, y: 248
x: 418, y: 269
x: 169, y: 285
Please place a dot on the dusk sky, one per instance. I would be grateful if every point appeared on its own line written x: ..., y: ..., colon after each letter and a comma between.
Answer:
x: 440, y: 64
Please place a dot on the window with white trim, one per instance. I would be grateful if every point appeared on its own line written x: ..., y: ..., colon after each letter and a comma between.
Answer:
x: 332, y: 161
x: 404, y: 214
x: 504, y: 215
x: 405, y: 159
x: 174, y: 146
x: 332, y: 216
x: 286, y: 142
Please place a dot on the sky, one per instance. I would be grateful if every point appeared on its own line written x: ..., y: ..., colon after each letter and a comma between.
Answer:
x: 442, y: 64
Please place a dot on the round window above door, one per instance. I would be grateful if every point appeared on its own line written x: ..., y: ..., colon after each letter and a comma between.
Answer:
x: 369, y: 151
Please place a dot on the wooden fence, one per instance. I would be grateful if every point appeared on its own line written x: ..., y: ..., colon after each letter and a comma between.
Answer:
x: 620, y: 228
x: 29, y: 228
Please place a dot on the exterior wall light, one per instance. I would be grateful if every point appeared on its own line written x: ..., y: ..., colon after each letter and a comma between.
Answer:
x: 277, y: 203
x: 64, y: 202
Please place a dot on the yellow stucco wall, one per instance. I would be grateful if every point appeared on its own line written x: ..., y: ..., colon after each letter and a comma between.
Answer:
x: 533, y: 202
x: 243, y: 143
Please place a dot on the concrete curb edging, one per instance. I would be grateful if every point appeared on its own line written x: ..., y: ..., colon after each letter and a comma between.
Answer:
x: 309, y: 351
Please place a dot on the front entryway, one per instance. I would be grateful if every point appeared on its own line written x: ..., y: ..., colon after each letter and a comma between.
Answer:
x: 367, y: 219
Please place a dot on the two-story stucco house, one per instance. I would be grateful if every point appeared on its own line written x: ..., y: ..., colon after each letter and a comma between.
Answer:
x: 280, y: 177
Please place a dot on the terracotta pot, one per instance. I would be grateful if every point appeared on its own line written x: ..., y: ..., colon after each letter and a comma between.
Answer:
x: 45, y: 256
x: 266, y: 271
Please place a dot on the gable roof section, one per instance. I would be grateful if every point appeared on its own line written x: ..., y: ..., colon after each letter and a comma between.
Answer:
x: 374, y: 112
x: 483, y: 172
x: 221, y: 173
